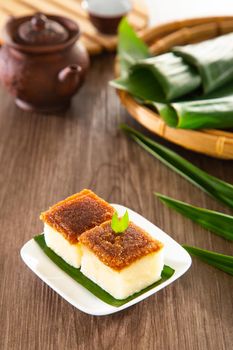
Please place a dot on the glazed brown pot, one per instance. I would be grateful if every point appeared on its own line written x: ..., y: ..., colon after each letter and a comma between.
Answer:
x: 41, y: 63
x: 106, y: 15
x: 104, y: 24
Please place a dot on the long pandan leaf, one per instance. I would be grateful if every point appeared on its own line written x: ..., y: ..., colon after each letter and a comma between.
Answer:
x: 210, y: 111
x: 175, y: 77
x: 213, y: 58
x: 216, y: 222
x: 198, y: 114
x: 130, y: 47
x: 173, y: 84
x: 77, y: 275
x: 217, y: 188
x: 220, y: 261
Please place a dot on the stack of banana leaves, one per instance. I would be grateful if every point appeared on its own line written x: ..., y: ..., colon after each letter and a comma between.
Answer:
x: 191, y: 87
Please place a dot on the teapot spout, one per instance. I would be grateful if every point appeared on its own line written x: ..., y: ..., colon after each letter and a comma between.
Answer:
x: 70, y: 78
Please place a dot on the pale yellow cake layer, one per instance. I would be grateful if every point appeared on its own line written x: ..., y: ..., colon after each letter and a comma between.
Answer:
x: 71, y: 253
x: 121, y: 284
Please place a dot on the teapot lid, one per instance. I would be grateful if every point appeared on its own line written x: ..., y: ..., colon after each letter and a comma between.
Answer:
x: 40, y: 30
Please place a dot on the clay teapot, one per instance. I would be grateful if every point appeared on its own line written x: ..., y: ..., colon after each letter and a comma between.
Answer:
x: 41, y: 63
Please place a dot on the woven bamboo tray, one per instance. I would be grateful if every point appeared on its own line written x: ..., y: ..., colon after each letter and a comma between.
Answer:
x: 91, y: 38
x: 215, y: 143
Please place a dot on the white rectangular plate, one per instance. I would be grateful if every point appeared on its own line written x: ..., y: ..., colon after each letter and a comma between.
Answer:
x: 34, y: 257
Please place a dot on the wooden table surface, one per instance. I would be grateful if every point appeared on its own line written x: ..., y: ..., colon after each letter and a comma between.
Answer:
x: 46, y: 158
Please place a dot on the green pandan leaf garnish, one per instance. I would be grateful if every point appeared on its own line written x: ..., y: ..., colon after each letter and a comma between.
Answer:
x: 119, y: 225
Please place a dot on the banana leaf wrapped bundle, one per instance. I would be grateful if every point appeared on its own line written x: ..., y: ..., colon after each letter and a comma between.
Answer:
x: 191, y: 87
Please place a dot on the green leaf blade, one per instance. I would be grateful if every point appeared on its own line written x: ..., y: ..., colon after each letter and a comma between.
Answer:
x: 120, y: 225
x: 175, y: 77
x: 213, y: 58
x: 215, y: 187
x: 218, y: 223
x: 205, y: 113
x: 220, y: 261
x: 130, y: 47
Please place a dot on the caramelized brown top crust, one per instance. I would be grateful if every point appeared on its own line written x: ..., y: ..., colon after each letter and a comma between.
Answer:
x: 77, y: 213
x: 119, y: 250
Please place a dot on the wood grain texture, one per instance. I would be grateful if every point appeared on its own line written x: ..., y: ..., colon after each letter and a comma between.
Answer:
x: 46, y: 158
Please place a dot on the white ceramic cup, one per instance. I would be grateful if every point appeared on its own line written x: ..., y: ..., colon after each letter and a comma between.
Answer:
x: 107, y: 8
